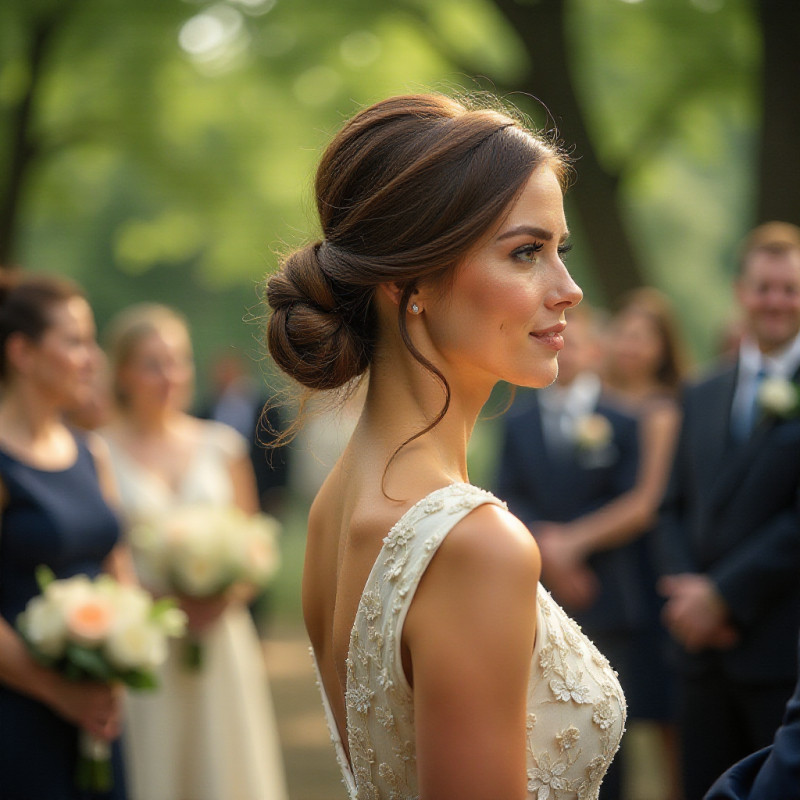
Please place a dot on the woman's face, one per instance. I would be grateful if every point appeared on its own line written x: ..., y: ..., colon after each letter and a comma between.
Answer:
x: 158, y: 375
x: 504, y: 312
x: 62, y: 362
x: 635, y: 346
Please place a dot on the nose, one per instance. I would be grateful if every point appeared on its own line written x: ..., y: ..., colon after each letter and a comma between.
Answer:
x: 565, y: 292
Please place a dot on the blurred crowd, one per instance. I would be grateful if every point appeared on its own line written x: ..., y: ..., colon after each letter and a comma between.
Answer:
x: 666, y: 504
x: 664, y: 499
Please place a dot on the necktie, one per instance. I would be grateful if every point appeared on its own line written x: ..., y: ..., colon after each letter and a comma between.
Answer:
x: 750, y: 415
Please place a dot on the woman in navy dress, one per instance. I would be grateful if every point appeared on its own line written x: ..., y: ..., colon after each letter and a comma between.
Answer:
x: 52, y: 511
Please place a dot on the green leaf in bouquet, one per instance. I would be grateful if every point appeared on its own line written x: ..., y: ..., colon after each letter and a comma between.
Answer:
x: 140, y: 679
x: 90, y: 662
x: 162, y: 606
x: 44, y: 576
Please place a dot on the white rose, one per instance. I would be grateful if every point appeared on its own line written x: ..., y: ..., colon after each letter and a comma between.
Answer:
x: 68, y: 592
x: 172, y: 622
x: 201, y: 574
x: 262, y: 557
x: 44, y: 626
x: 778, y: 396
x: 140, y: 645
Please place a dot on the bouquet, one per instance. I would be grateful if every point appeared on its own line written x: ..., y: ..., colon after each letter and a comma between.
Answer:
x: 98, y: 630
x: 202, y: 550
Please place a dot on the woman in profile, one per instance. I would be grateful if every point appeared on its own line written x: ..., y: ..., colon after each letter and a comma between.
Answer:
x: 207, y: 733
x: 446, y: 670
x: 55, y: 489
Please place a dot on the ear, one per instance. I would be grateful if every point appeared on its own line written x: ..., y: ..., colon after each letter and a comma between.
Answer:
x: 392, y: 291
x: 19, y: 348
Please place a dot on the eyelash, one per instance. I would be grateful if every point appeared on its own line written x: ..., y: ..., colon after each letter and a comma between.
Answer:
x: 536, y: 247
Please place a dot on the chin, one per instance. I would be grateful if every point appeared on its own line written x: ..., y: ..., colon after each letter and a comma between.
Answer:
x: 538, y: 380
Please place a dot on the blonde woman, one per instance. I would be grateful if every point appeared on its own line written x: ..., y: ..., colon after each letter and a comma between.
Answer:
x: 207, y: 734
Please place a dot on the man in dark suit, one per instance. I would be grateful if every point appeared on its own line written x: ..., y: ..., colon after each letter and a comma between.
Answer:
x: 567, y: 451
x: 772, y: 773
x: 730, y: 524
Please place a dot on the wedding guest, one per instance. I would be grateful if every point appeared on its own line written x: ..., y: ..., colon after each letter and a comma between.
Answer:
x: 567, y: 452
x: 208, y: 733
x: 54, y: 491
x: 729, y: 523
x: 446, y: 670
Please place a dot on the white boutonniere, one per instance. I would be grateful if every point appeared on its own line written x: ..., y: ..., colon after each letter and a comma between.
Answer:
x: 594, y: 439
x: 593, y: 432
x: 779, y: 397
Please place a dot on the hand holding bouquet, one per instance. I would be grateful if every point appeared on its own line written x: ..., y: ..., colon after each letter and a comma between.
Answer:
x: 101, y: 631
x: 201, y: 551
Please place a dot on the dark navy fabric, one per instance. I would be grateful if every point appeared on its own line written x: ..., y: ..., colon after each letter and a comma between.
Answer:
x: 58, y: 518
x: 772, y: 773
x: 732, y: 512
x: 539, y: 485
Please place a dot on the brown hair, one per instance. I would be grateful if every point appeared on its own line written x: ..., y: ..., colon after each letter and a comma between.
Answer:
x: 25, y: 305
x: 128, y: 328
x: 403, y: 192
x: 770, y: 237
x: 657, y: 308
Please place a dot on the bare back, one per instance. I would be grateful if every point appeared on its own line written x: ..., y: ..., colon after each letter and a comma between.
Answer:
x: 347, y: 524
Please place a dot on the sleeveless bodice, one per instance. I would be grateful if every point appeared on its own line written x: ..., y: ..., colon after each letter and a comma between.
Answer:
x: 58, y: 518
x: 207, y: 479
x: 576, y: 708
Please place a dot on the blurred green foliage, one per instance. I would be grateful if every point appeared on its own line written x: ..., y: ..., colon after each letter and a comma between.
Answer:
x: 174, y: 143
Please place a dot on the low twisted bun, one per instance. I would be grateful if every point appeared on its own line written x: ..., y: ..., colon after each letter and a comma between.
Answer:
x: 310, y: 332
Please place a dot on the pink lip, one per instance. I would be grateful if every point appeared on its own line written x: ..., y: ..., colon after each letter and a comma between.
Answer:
x: 551, y: 337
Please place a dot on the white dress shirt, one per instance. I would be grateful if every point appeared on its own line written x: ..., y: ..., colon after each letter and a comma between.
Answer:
x: 562, y: 406
x: 782, y: 364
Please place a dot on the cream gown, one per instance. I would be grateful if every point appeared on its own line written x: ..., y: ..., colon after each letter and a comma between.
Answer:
x: 576, y: 708
x: 211, y: 734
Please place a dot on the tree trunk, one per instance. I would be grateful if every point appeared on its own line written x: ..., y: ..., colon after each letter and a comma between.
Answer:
x: 23, y: 145
x: 779, y: 165
x: 541, y: 26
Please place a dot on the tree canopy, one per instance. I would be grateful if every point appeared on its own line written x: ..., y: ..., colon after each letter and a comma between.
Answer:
x: 165, y: 149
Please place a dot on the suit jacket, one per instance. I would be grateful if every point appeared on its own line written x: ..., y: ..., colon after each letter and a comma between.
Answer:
x: 772, y: 773
x: 732, y: 511
x: 540, y: 485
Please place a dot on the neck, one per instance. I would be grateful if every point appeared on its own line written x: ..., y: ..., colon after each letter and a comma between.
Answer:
x: 152, y: 425
x: 27, y: 417
x: 402, y: 400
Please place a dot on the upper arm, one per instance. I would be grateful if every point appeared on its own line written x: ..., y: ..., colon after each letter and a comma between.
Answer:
x: 104, y: 467
x: 244, y: 484
x: 234, y: 448
x: 659, y: 433
x: 469, y: 634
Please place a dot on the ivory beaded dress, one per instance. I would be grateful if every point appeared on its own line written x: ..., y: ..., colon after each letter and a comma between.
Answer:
x: 209, y: 735
x: 576, y: 707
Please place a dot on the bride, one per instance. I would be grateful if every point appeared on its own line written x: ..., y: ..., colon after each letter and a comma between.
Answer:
x: 446, y: 670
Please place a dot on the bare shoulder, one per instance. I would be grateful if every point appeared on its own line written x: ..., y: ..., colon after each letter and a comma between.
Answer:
x: 492, y: 537
x: 98, y: 447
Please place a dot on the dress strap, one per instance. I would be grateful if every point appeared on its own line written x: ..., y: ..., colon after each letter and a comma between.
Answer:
x: 408, y: 550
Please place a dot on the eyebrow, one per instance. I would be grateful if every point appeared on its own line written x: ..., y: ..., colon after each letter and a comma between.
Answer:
x: 536, y: 233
